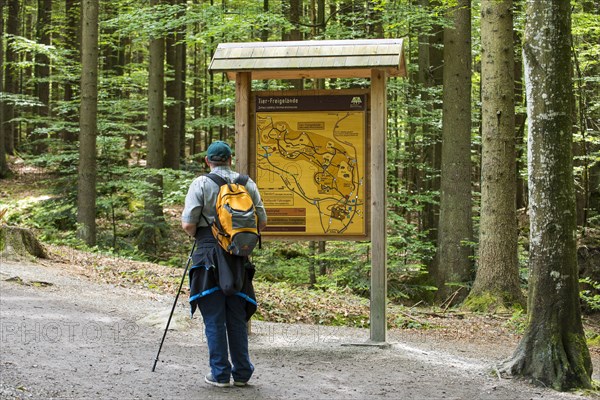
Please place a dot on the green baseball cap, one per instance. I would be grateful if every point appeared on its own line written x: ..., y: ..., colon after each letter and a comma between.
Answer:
x: 218, y: 151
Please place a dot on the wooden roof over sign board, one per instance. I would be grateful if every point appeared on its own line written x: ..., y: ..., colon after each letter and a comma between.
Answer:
x: 310, y: 59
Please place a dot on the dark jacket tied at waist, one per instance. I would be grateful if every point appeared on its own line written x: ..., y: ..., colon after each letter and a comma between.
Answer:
x: 214, y: 269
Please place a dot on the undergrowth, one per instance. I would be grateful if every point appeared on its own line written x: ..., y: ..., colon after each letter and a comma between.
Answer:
x: 336, y: 280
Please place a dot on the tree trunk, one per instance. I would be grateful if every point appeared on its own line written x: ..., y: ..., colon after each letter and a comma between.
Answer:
x: 17, y: 243
x: 422, y: 80
x: 312, y: 275
x: 264, y: 32
x: 453, y: 265
x: 3, y: 164
x: 11, y: 75
x: 86, y: 193
x: 294, y: 14
x: 199, y: 89
x: 180, y: 78
x: 553, y: 350
x: 175, y: 88
x: 321, y: 16
x: 423, y: 75
x: 432, y: 61
x: 23, y: 129
x: 322, y: 265
x: 72, y: 10
x: 520, y: 117
x: 153, y: 202
x: 374, y: 27
x: 497, y: 282
x: 42, y: 69
x: 171, y: 140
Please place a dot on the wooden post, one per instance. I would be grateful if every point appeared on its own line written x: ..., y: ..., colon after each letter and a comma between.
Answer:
x: 378, y: 207
x: 243, y: 86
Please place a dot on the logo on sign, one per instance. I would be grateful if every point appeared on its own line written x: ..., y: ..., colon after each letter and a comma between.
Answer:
x: 356, y: 101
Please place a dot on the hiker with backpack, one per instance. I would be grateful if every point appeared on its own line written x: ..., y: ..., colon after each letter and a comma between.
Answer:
x: 225, y: 214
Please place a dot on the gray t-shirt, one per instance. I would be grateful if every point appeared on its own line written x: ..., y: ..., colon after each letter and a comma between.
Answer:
x: 202, y: 197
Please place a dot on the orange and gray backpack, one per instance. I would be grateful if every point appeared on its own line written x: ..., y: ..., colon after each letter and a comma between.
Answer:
x: 236, y: 224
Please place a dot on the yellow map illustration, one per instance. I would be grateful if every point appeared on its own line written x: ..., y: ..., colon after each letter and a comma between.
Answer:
x: 310, y: 171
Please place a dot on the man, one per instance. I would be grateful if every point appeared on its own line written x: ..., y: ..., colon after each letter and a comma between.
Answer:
x: 225, y: 316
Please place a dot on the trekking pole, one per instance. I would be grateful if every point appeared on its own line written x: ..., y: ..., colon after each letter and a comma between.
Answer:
x: 174, y: 304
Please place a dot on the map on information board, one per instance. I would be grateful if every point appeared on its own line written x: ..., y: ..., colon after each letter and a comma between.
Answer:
x: 311, y: 163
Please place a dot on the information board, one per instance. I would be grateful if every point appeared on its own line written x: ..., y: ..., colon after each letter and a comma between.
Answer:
x: 311, y: 164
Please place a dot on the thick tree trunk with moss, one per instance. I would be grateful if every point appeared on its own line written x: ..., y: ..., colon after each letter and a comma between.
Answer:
x: 553, y: 350
x: 19, y: 243
x: 497, y: 282
x: 453, y: 263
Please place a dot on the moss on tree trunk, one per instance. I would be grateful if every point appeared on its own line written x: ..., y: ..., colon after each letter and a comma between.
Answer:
x: 553, y: 356
x: 492, y: 302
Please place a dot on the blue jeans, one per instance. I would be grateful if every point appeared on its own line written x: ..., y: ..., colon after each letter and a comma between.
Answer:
x: 225, y: 323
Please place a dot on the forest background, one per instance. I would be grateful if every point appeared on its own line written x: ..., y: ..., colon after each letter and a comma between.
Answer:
x: 127, y: 120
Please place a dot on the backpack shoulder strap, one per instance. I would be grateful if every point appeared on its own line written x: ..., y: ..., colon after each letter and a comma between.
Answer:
x: 216, y: 179
x: 220, y: 181
x: 242, y: 180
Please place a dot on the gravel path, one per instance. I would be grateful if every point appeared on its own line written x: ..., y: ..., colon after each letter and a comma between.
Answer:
x: 67, y: 337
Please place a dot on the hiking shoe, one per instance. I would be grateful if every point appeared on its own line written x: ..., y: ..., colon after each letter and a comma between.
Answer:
x: 212, y: 381
x: 239, y: 383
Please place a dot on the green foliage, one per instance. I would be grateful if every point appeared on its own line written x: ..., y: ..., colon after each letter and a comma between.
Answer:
x: 146, y: 21
x: 211, y: 122
x: 348, y: 268
x: 19, y: 100
x: 518, y: 321
x: 283, y: 261
x: 122, y: 185
x: 586, y: 47
x: 54, y: 217
x: 121, y: 191
x: 592, y: 338
x: 590, y: 294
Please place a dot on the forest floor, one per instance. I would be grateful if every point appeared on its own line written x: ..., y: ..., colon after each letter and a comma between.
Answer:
x: 68, y: 332
x: 87, y: 326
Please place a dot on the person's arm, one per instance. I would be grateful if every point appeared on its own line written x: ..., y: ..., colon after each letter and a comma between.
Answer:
x: 262, y: 225
x: 193, y: 208
x: 258, y: 204
x: 189, y: 228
